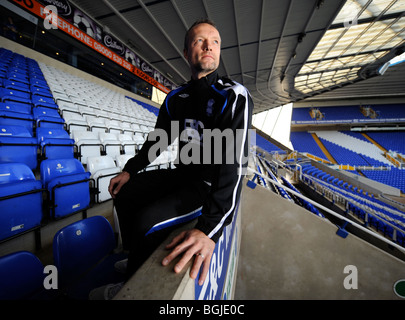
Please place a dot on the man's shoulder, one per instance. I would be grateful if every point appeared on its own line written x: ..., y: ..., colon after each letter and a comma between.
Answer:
x: 225, y: 83
x: 176, y: 92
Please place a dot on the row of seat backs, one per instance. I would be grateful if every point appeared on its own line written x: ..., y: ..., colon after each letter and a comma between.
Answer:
x: 19, y: 146
x: 21, y: 114
x: 77, y: 248
x: 23, y: 74
x: 65, y: 182
x: 36, y: 99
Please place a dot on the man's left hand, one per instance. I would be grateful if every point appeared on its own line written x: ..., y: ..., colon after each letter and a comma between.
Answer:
x: 191, y: 242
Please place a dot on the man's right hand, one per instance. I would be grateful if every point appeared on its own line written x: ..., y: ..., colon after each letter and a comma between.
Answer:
x: 117, y: 182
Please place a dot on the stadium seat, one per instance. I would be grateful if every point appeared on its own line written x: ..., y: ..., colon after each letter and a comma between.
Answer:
x: 55, y: 143
x: 17, y: 107
x: 96, y: 124
x: 64, y: 102
x: 137, y: 129
x: 88, y: 110
x: 129, y: 146
x: 83, y: 255
x: 15, y: 85
x: 41, y: 92
x: 21, y: 276
x: 18, y: 187
x: 111, y: 144
x: 139, y: 140
x: 17, y: 145
x: 122, y: 159
x: 14, y: 95
x: 67, y: 184
x: 48, y: 118
x: 127, y: 128
x: 88, y: 144
x: 102, y: 169
x: 11, y: 118
x: 40, y: 101
x: 114, y: 126
x: 75, y: 121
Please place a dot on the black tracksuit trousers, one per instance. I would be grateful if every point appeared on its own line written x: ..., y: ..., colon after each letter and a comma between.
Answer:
x: 151, y: 204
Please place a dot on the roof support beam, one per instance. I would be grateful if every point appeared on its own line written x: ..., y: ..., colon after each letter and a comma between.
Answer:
x: 141, y: 36
x: 179, y: 51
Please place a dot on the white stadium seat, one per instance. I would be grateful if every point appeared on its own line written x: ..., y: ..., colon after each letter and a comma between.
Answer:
x: 102, y: 170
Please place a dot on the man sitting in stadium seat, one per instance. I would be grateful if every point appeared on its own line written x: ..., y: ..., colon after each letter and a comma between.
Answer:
x: 150, y: 204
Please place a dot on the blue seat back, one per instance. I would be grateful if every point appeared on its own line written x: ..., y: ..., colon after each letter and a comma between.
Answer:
x: 50, y: 133
x: 17, y: 145
x: 21, y: 276
x: 45, y: 112
x: 55, y: 143
x: 41, y: 101
x: 18, y: 187
x: 68, y: 185
x: 55, y: 168
x: 39, y: 83
x: 80, y: 245
x: 12, y: 94
x: 10, y: 118
x: 50, y: 122
x: 18, y: 107
x: 14, y: 85
x: 41, y: 91
x: 14, y: 131
x: 14, y: 172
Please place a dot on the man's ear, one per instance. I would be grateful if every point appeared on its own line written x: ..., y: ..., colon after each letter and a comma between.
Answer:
x: 185, y: 54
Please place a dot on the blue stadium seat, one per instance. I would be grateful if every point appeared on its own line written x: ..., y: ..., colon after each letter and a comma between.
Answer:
x: 17, y: 107
x: 14, y: 95
x: 83, y: 252
x: 40, y: 101
x: 39, y: 83
x: 17, y: 145
x: 15, y: 85
x: 11, y: 118
x: 18, y: 187
x: 67, y: 184
x: 18, y: 75
x: 21, y: 276
x: 55, y: 143
x: 47, y: 117
x: 41, y: 91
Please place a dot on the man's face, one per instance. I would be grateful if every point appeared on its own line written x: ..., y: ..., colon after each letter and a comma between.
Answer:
x: 204, y: 50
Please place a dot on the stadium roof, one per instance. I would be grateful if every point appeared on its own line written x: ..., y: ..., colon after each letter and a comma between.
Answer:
x: 282, y: 51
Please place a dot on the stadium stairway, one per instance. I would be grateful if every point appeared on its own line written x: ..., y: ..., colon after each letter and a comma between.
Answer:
x: 323, y: 148
x: 288, y: 253
x: 374, y: 142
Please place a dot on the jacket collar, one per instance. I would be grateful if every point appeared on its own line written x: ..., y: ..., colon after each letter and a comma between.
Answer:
x: 209, y: 80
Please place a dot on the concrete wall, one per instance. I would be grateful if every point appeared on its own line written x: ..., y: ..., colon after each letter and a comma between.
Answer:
x: 289, y: 253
